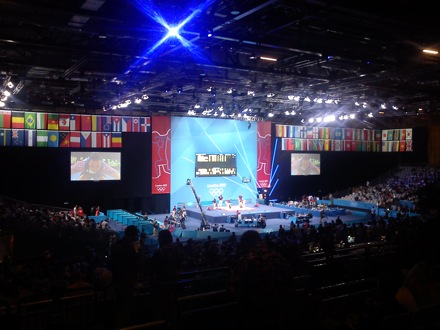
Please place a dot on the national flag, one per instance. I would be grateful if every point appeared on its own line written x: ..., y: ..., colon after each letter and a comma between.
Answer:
x: 127, y: 124
x: 64, y: 122
x: 280, y: 130
x: 403, y: 134
x: 409, y: 145
x: 30, y: 120
x: 75, y: 139
x: 64, y: 138
x: 136, y: 124
x: 116, y: 123
x: 309, y: 144
x: 52, y: 138
x: 41, y: 138
x: 96, y: 123
x: 17, y: 137
x: 309, y: 132
x: 86, y: 139
x: 30, y: 138
x: 348, y: 134
x: 5, y: 118
x: 315, y: 133
x: 5, y: 137
x: 75, y: 122
x: 145, y: 124
x: 86, y: 122
x: 390, y: 135
x: 106, y: 140
x: 327, y: 145
x: 377, y: 135
x: 303, y: 132
x: 41, y: 120
x: 17, y: 119
x: 96, y: 139
x: 321, y: 143
x: 116, y: 140
x: 106, y: 123
x: 290, y: 131
x: 366, y: 135
x: 297, y: 132
x: 52, y: 122
x: 286, y: 144
x: 397, y: 136
x: 338, y: 133
x: 409, y: 135
x: 336, y: 145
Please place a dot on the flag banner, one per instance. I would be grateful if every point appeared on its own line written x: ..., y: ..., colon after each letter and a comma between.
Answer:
x: 136, y: 124
x: 86, y: 122
x: 52, y: 138
x: 145, y: 124
x: 64, y: 122
x: 116, y: 140
x: 106, y: 140
x: 309, y: 133
x: 409, y: 145
x: 338, y: 133
x: 290, y: 131
x: 75, y: 139
x: 52, y: 121
x: 30, y: 138
x: 41, y: 120
x: 287, y: 144
x: 116, y: 123
x: 5, y: 137
x: 348, y: 132
x: 127, y: 125
x: 17, y: 137
x: 161, y: 155
x: 96, y: 123
x: 5, y: 118
x: 86, y: 139
x: 17, y: 119
x: 75, y: 122
x: 106, y: 124
x: 297, y: 132
x: 96, y: 140
x: 264, y: 154
x: 409, y: 134
x: 41, y: 138
x: 30, y: 120
x: 280, y: 130
x: 64, y: 138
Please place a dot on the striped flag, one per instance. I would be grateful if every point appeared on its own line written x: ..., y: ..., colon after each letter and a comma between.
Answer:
x: 52, y: 138
x: 41, y: 120
x: 17, y: 137
x: 86, y: 139
x: 64, y: 122
x: 5, y: 137
x: 106, y: 140
x: 75, y: 122
x: 5, y: 118
x: 42, y: 138
x: 96, y: 139
x: 30, y: 120
x: 96, y: 123
x: 52, y: 121
x: 30, y: 138
x: 75, y: 139
x: 116, y: 123
x: 136, y: 124
x: 116, y: 140
x: 17, y: 119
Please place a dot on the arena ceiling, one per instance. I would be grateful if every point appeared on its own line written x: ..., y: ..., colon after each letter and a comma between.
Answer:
x: 292, y: 59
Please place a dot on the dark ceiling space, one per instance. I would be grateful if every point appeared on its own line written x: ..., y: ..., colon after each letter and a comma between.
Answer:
x: 353, y: 56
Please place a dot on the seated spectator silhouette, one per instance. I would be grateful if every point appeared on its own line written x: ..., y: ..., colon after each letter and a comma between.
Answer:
x: 124, y: 265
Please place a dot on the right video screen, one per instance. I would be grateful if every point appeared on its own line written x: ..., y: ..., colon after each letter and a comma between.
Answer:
x: 305, y: 164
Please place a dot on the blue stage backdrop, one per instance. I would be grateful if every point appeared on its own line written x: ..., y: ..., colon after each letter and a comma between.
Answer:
x: 191, y: 136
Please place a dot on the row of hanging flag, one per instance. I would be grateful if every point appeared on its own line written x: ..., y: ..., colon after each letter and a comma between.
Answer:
x: 302, y: 138
x: 31, y: 120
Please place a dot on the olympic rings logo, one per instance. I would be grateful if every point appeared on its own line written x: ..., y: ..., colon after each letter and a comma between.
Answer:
x: 216, y: 192
x: 161, y: 188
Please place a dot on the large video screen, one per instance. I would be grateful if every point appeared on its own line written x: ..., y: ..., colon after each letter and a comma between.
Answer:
x: 216, y: 165
x: 305, y: 164
x: 95, y: 166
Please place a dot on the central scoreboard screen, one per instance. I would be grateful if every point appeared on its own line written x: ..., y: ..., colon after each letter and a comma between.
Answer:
x: 216, y: 165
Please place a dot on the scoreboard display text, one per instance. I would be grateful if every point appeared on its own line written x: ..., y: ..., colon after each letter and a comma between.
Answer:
x: 216, y: 165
